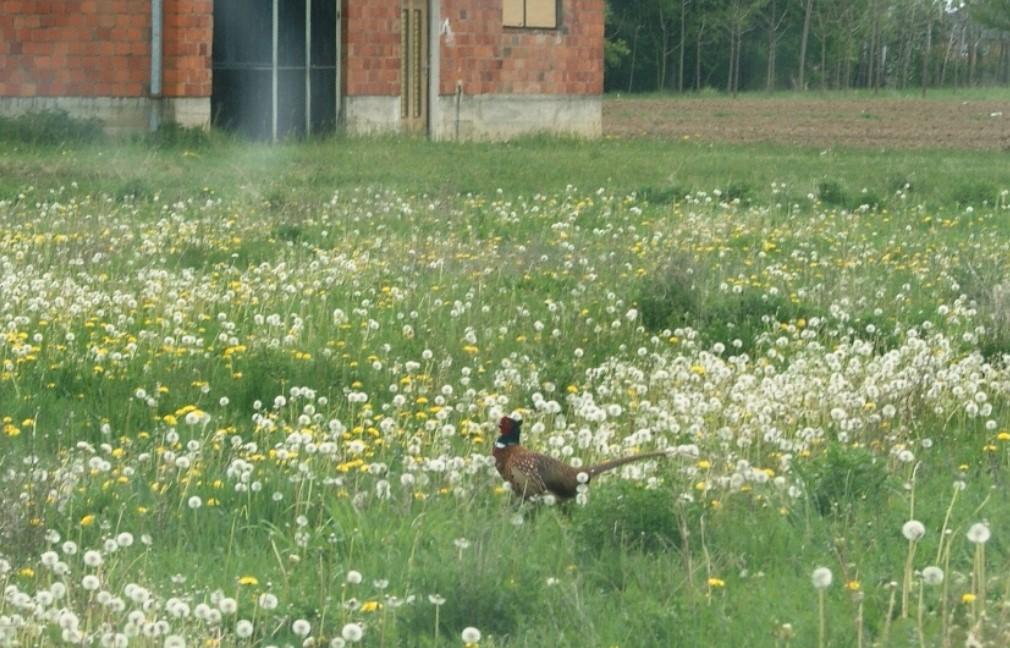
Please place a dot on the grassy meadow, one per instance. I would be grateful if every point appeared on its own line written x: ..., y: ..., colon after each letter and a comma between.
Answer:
x: 248, y: 394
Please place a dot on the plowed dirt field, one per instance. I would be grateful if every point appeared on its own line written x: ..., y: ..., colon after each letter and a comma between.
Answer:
x: 886, y: 123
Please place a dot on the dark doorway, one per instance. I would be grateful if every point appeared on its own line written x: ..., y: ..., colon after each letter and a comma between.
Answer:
x: 275, y: 67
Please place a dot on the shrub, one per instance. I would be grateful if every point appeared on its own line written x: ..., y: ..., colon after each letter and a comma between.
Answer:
x: 49, y: 128
x: 973, y: 192
x: 661, y: 195
x: 741, y: 191
x: 831, y: 192
x: 990, y: 291
x: 174, y: 135
x: 679, y: 294
x: 842, y: 477
x: 625, y: 514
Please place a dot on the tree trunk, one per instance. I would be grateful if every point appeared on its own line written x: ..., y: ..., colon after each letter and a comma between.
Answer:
x: 634, y: 52
x: 946, y: 56
x: 875, y: 49
x: 775, y: 22
x: 697, y: 55
x: 824, y: 62
x: 808, y: 10
x: 683, y: 43
x: 973, y: 60
x: 906, y: 52
x: 925, y: 54
x: 664, y: 46
x: 772, y: 41
x: 732, y: 60
x: 1006, y: 60
x: 736, y: 65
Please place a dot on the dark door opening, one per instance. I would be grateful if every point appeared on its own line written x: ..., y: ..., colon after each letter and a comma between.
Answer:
x: 275, y: 67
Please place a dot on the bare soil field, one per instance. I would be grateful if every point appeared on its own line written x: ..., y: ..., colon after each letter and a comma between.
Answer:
x: 887, y: 123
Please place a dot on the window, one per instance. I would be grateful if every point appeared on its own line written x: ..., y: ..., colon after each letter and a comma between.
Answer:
x: 534, y: 14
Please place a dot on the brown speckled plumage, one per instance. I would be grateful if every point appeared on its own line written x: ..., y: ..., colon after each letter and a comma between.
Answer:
x: 532, y: 474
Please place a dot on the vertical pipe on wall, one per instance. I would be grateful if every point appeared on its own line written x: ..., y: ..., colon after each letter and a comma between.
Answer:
x: 308, y: 67
x: 157, y: 16
x: 273, y: 76
x: 339, y: 108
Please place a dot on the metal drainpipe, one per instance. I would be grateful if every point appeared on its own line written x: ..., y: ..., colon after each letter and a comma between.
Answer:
x: 273, y: 73
x: 157, y: 24
x: 340, y: 55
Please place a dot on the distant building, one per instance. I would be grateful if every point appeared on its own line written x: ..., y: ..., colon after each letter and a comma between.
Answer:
x: 447, y: 68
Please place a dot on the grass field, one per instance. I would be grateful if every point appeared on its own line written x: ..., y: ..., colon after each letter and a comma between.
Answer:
x: 248, y: 393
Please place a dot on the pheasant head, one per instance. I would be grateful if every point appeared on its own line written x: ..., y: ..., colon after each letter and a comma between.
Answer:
x: 509, y: 428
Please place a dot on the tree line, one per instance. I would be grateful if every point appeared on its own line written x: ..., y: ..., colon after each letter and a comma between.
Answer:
x: 734, y: 45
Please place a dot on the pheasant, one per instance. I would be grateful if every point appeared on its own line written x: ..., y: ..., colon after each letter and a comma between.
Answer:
x: 532, y: 474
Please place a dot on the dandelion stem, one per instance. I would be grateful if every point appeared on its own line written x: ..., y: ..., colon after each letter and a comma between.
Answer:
x: 436, y: 623
x: 887, y: 619
x: 906, y: 581
x: 918, y: 618
x: 822, y: 625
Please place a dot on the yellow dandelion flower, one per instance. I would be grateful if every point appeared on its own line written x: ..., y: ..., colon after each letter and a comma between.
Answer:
x: 716, y: 583
x: 87, y: 520
x: 371, y: 606
x: 853, y: 586
x: 967, y: 598
x: 1003, y: 436
x: 26, y: 572
x: 248, y: 580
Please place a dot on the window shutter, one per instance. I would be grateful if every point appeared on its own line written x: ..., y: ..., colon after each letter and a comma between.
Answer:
x: 513, y: 13
x: 542, y: 13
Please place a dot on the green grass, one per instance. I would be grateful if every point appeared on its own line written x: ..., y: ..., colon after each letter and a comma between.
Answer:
x: 289, y: 175
x: 201, y: 322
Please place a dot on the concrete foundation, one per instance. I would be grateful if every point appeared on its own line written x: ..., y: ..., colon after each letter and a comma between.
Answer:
x: 500, y: 117
x: 483, y: 117
x: 120, y: 115
x: 371, y: 115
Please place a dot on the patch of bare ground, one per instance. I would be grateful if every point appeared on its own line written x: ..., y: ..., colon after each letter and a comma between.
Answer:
x: 885, y: 123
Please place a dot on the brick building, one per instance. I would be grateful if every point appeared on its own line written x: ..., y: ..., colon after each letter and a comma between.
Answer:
x: 449, y: 68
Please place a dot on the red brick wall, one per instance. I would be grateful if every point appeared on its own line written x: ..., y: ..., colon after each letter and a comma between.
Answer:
x: 101, y: 48
x: 186, y: 54
x: 372, y: 47
x: 489, y: 58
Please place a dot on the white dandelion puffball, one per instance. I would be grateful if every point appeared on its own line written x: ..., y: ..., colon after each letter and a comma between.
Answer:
x: 352, y: 632
x: 175, y: 641
x: 979, y: 533
x: 337, y: 642
x: 913, y: 530
x: 932, y: 575
x: 244, y: 629
x: 471, y: 635
x: 227, y: 605
x: 582, y: 477
x: 195, y: 502
x: 301, y: 627
x: 821, y: 578
x: 268, y: 601
x: 354, y: 577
